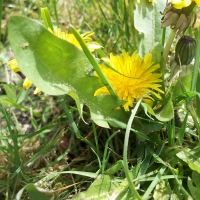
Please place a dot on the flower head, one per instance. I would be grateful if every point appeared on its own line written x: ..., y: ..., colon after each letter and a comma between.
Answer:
x: 72, y: 39
x: 132, y: 78
x: 179, y: 4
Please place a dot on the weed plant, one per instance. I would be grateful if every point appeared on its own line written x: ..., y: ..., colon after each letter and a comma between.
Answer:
x: 60, y: 147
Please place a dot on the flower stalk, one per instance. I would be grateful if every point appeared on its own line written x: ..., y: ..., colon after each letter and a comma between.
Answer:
x: 168, y: 45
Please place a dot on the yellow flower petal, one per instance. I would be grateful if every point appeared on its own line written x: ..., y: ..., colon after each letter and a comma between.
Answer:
x: 132, y: 78
x: 37, y: 90
x: 27, y: 83
x: 13, y: 65
x: 72, y: 39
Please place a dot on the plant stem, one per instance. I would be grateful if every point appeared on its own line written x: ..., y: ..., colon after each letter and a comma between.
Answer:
x: 1, y: 6
x: 55, y: 11
x: 125, y: 160
x: 168, y: 45
x: 93, y: 61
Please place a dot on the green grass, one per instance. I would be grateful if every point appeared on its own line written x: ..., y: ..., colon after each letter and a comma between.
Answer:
x: 48, y: 151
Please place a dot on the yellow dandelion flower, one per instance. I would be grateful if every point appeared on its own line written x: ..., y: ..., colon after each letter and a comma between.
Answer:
x: 179, y: 4
x: 132, y: 78
x: 72, y: 39
x: 13, y: 65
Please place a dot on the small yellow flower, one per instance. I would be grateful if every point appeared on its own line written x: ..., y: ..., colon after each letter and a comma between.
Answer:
x: 72, y: 39
x: 27, y: 84
x: 132, y: 78
x: 37, y: 90
x: 179, y: 4
x: 13, y: 65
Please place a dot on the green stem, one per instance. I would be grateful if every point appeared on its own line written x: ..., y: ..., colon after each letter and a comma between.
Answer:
x: 197, y: 97
x: 196, y: 63
x: 171, y: 132
x: 46, y: 18
x: 195, y: 84
x: 73, y: 124
x: 106, y: 150
x: 125, y: 160
x: 93, y: 61
x: 163, y: 36
x: 55, y: 11
x: 168, y: 45
x: 1, y: 6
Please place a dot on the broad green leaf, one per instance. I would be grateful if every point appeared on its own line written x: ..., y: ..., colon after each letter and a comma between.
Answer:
x: 182, y: 86
x: 166, y: 112
x: 162, y: 190
x: 58, y: 67
x: 147, y: 19
x: 194, y: 190
x: 156, y: 52
x: 99, y: 189
x: 191, y: 157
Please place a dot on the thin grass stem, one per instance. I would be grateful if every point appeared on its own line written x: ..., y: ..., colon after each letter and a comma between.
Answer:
x: 73, y: 124
x: 125, y: 150
x: 106, y: 150
x: 55, y: 11
x: 1, y: 9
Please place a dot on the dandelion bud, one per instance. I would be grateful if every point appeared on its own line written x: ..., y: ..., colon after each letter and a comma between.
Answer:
x: 185, y: 50
x: 177, y: 19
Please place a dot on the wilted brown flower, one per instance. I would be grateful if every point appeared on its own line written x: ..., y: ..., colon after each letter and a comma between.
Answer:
x: 177, y: 19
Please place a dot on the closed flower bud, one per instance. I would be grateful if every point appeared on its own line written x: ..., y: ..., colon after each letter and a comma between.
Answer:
x: 177, y: 19
x: 185, y: 50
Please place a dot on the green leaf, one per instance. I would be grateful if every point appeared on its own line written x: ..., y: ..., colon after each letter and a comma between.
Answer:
x: 116, y: 167
x: 182, y: 86
x: 165, y: 113
x: 156, y: 52
x: 46, y: 17
x: 191, y: 157
x: 148, y: 23
x: 99, y: 189
x: 194, y: 190
x: 10, y: 91
x: 33, y: 192
x: 58, y: 67
x: 162, y: 190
